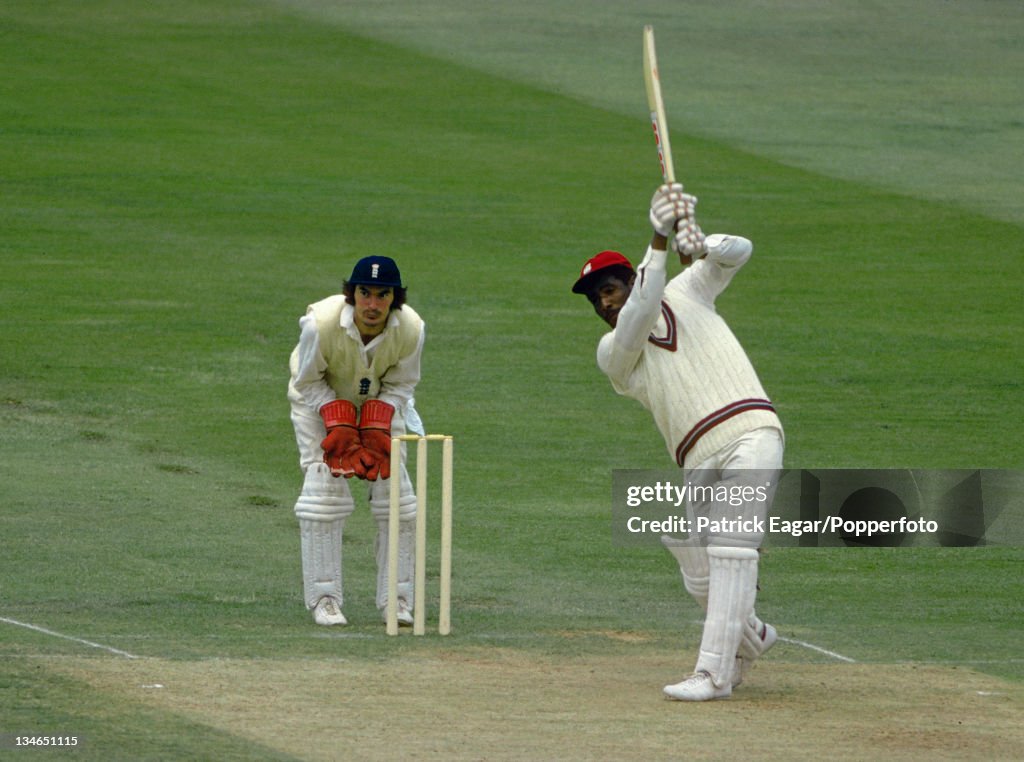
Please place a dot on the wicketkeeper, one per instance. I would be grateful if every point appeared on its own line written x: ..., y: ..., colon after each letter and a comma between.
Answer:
x: 671, y: 350
x: 353, y: 375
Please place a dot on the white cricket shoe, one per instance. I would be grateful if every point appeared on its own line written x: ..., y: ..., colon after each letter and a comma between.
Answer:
x: 697, y: 687
x: 745, y: 663
x: 327, y: 612
x: 404, y: 614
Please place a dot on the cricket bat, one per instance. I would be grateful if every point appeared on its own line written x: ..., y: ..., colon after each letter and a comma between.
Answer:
x: 657, y: 106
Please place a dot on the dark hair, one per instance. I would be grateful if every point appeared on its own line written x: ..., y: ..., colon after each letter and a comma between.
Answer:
x: 349, y: 290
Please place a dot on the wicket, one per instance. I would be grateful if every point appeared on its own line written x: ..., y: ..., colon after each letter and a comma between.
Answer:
x: 419, y: 583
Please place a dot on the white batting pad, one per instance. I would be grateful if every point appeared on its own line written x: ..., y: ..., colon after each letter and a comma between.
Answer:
x: 322, y: 508
x: 380, y: 507
x: 324, y: 497
x: 731, y: 593
x: 406, y: 560
x: 321, y: 560
x: 693, y: 564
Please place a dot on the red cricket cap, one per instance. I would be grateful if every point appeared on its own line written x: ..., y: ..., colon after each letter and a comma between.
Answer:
x: 595, y: 265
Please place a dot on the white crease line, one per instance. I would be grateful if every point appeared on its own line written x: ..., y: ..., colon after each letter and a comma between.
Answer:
x: 45, y: 631
x: 127, y: 655
x: 819, y: 649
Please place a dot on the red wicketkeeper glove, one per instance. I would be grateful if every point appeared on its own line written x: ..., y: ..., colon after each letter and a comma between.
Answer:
x: 375, y: 434
x: 341, y: 445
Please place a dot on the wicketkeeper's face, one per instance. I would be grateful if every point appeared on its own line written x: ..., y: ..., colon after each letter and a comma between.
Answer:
x: 372, y: 307
x: 608, y: 296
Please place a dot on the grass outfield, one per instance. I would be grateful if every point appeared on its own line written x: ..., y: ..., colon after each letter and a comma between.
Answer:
x: 913, y: 96
x: 178, y: 182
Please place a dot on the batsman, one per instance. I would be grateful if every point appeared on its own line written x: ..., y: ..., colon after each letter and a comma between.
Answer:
x: 353, y: 376
x: 669, y: 349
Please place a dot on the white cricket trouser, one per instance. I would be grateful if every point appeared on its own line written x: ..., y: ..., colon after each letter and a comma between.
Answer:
x: 734, y: 488
x: 723, y: 573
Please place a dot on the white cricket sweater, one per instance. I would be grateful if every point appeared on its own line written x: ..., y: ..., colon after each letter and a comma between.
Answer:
x: 331, y: 362
x: 673, y: 352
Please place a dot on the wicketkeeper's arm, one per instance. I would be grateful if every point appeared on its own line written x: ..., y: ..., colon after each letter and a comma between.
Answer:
x: 398, y: 384
x: 311, y: 366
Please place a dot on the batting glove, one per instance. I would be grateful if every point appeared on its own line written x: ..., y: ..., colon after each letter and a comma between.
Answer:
x: 689, y: 241
x: 669, y: 206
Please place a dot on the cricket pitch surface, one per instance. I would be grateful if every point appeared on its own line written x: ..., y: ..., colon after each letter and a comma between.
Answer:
x: 471, y: 702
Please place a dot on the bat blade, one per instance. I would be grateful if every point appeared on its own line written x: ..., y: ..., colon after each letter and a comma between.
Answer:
x: 656, y: 104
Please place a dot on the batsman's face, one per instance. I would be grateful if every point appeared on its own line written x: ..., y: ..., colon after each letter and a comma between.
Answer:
x: 373, y: 305
x: 608, y: 297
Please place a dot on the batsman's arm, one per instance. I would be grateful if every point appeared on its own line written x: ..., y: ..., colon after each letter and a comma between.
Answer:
x: 710, y: 276
x: 619, y: 351
x: 728, y: 251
